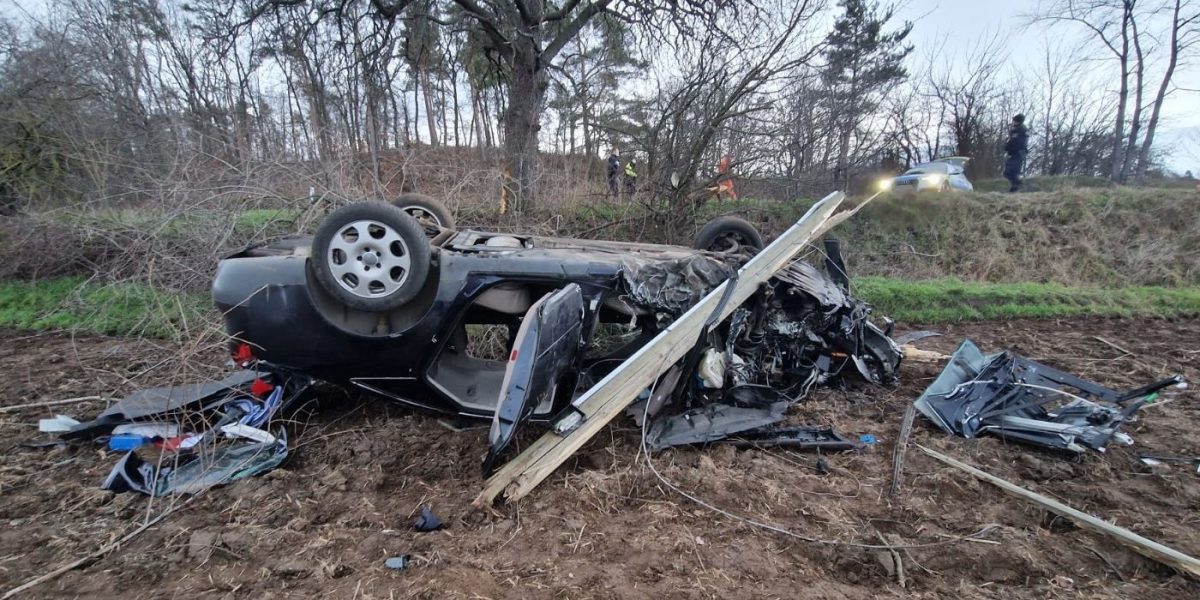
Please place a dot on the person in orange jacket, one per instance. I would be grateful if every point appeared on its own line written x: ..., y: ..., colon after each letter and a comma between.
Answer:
x: 724, y: 185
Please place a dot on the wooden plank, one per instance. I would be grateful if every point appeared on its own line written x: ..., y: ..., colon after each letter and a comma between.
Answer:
x: 901, y: 448
x: 607, y: 398
x: 1146, y: 547
x: 926, y: 356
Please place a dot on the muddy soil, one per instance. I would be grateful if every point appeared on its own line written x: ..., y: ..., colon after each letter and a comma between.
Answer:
x: 605, y: 526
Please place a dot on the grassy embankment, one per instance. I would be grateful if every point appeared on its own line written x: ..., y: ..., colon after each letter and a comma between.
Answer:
x: 1080, y: 250
x: 124, y: 309
x: 128, y: 309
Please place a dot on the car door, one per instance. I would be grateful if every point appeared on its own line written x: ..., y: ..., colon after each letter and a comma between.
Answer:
x: 958, y: 179
x: 544, y: 362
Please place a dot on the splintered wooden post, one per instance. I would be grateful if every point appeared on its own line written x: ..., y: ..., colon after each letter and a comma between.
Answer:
x: 1146, y: 547
x: 606, y: 399
x: 901, y: 447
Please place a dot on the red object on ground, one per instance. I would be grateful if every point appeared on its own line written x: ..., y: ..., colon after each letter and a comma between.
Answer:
x: 243, y: 354
x: 260, y: 388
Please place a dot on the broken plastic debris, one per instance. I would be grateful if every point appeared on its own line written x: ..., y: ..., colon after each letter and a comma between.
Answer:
x: 1155, y: 460
x: 156, y: 401
x: 398, y: 563
x: 798, y: 438
x: 260, y: 388
x: 709, y: 424
x: 183, y: 442
x: 712, y: 369
x: 126, y: 442
x: 248, y: 432
x: 148, y: 430
x: 1021, y: 400
x: 58, y: 424
x: 243, y: 354
x: 427, y: 521
x: 198, y: 472
x: 867, y: 439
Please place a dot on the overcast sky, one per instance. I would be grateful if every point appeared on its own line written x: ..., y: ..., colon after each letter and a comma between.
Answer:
x: 957, y: 25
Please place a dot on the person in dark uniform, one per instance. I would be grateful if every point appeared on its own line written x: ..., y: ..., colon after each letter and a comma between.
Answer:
x: 614, y: 173
x: 1015, y: 149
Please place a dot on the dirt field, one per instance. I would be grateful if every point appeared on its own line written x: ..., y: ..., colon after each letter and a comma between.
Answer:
x: 604, y: 526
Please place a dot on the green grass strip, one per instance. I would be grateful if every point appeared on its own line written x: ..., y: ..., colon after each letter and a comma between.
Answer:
x: 129, y: 309
x: 123, y: 309
x: 948, y: 300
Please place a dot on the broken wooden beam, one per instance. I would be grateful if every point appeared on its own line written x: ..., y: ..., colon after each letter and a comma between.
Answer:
x: 607, y: 398
x: 914, y: 354
x: 1146, y: 547
x: 901, y: 448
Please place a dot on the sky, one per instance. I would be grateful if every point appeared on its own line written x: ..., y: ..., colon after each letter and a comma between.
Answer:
x: 957, y: 25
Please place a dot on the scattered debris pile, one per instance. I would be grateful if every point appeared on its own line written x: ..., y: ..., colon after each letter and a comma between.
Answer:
x: 1025, y: 401
x: 185, y: 439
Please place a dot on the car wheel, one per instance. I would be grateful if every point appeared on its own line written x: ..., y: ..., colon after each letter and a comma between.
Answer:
x: 371, y: 256
x: 728, y: 234
x: 424, y: 208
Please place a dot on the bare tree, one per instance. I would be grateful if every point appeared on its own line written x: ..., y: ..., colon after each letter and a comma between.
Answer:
x: 722, y: 88
x: 1184, y: 33
x: 967, y: 90
x: 1113, y: 23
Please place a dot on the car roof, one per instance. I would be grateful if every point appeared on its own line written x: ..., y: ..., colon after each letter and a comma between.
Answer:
x: 930, y: 167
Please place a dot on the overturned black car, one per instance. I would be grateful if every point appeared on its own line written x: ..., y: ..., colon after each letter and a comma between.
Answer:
x: 388, y: 298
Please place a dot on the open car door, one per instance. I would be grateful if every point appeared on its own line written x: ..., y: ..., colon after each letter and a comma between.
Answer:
x: 544, y: 362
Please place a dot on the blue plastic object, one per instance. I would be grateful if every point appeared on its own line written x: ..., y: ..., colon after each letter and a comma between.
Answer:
x: 867, y: 439
x: 126, y: 441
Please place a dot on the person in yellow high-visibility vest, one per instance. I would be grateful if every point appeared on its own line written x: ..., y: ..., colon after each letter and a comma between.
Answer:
x: 630, y: 179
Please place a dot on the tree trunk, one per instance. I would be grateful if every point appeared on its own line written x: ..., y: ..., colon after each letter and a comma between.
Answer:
x: 522, y: 120
x: 457, y: 118
x: 1135, y: 124
x: 416, y: 110
x: 1152, y: 125
x: 430, y: 117
x: 1118, y: 144
x: 474, y: 132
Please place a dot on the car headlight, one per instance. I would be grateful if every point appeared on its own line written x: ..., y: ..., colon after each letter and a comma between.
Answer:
x: 935, y: 178
x: 885, y: 185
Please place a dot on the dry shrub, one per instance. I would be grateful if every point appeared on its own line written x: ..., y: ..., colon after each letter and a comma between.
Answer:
x: 172, y: 230
x: 1087, y: 237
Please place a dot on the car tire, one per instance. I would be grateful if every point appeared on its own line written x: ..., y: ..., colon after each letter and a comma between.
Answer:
x: 726, y: 234
x: 425, y: 208
x: 371, y: 256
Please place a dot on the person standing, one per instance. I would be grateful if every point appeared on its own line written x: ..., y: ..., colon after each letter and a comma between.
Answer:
x: 630, y: 179
x: 1015, y: 149
x: 614, y: 173
x: 725, y: 178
